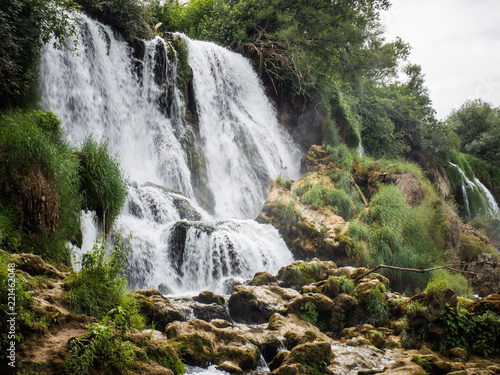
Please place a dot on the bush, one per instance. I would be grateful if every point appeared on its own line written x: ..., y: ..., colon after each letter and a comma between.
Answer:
x: 102, y: 184
x: 101, y: 348
x: 98, y: 288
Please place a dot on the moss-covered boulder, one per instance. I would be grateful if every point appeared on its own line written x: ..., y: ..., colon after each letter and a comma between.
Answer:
x: 203, y: 344
x: 157, y: 309
x: 256, y: 304
x: 308, y: 358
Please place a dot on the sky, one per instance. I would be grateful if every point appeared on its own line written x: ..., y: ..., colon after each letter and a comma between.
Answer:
x: 457, y: 43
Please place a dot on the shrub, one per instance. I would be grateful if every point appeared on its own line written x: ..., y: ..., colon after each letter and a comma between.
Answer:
x: 478, y: 332
x: 102, y: 183
x: 97, y: 288
x: 101, y: 348
x: 376, y: 307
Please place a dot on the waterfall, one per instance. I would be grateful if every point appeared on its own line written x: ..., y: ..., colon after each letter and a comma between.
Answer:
x: 492, y: 203
x: 468, y: 185
x: 193, y: 189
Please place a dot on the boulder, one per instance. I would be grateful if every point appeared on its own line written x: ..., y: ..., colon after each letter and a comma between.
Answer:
x: 204, y: 343
x: 157, y: 309
x: 263, y: 278
x: 311, y: 357
x: 209, y: 297
x: 256, y: 304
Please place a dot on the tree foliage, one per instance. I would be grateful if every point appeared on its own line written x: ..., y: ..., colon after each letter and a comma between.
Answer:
x: 25, y: 25
x: 128, y: 17
x: 478, y: 125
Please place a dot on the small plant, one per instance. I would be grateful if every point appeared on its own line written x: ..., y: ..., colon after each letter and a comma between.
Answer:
x: 376, y: 307
x: 309, y: 313
x: 101, y: 348
x: 97, y: 289
x: 284, y: 183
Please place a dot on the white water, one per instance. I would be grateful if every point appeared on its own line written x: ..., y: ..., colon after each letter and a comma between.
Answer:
x: 469, y: 185
x: 493, y: 205
x: 136, y: 105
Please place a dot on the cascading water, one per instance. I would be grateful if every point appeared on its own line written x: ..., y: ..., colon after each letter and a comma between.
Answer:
x: 224, y: 164
x: 492, y: 203
x: 469, y: 185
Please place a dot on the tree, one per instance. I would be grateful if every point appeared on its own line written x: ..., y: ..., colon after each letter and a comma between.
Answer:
x: 478, y: 125
x: 25, y: 25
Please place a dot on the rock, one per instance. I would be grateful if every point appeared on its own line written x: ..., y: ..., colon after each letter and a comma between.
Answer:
x: 221, y: 323
x: 164, y: 289
x: 301, y: 273
x: 204, y: 343
x: 278, y: 360
x: 295, y: 330
x: 486, y: 273
x: 320, y: 301
x: 268, y: 342
x: 293, y: 369
x: 230, y: 367
x: 403, y: 366
x: 256, y: 304
x: 494, y: 369
x: 410, y: 185
x: 35, y: 266
x: 208, y: 297
x: 317, y: 159
x: 314, y: 356
x: 459, y: 353
x: 209, y: 312
x: 313, y: 232
x: 263, y: 278
x: 488, y: 303
x: 156, y: 308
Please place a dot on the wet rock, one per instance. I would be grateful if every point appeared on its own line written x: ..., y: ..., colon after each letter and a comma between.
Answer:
x: 164, y: 289
x: 204, y: 343
x: 209, y: 312
x: 403, y: 366
x: 230, y: 367
x: 486, y: 274
x: 221, y: 323
x: 263, y: 278
x: 268, y: 342
x: 459, y: 353
x: 278, y: 360
x: 156, y: 308
x: 295, y: 330
x: 256, y: 304
x: 208, y: 297
x: 301, y: 273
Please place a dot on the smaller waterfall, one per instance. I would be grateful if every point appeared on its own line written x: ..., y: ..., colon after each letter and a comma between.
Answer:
x: 468, y: 186
x: 491, y: 199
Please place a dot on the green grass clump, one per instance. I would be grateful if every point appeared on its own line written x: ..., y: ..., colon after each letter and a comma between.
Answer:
x: 102, y: 348
x: 103, y: 186
x: 36, y: 161
x: 98, y: 288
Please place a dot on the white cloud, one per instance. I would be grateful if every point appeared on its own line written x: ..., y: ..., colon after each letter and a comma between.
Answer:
x: 457, y: 43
